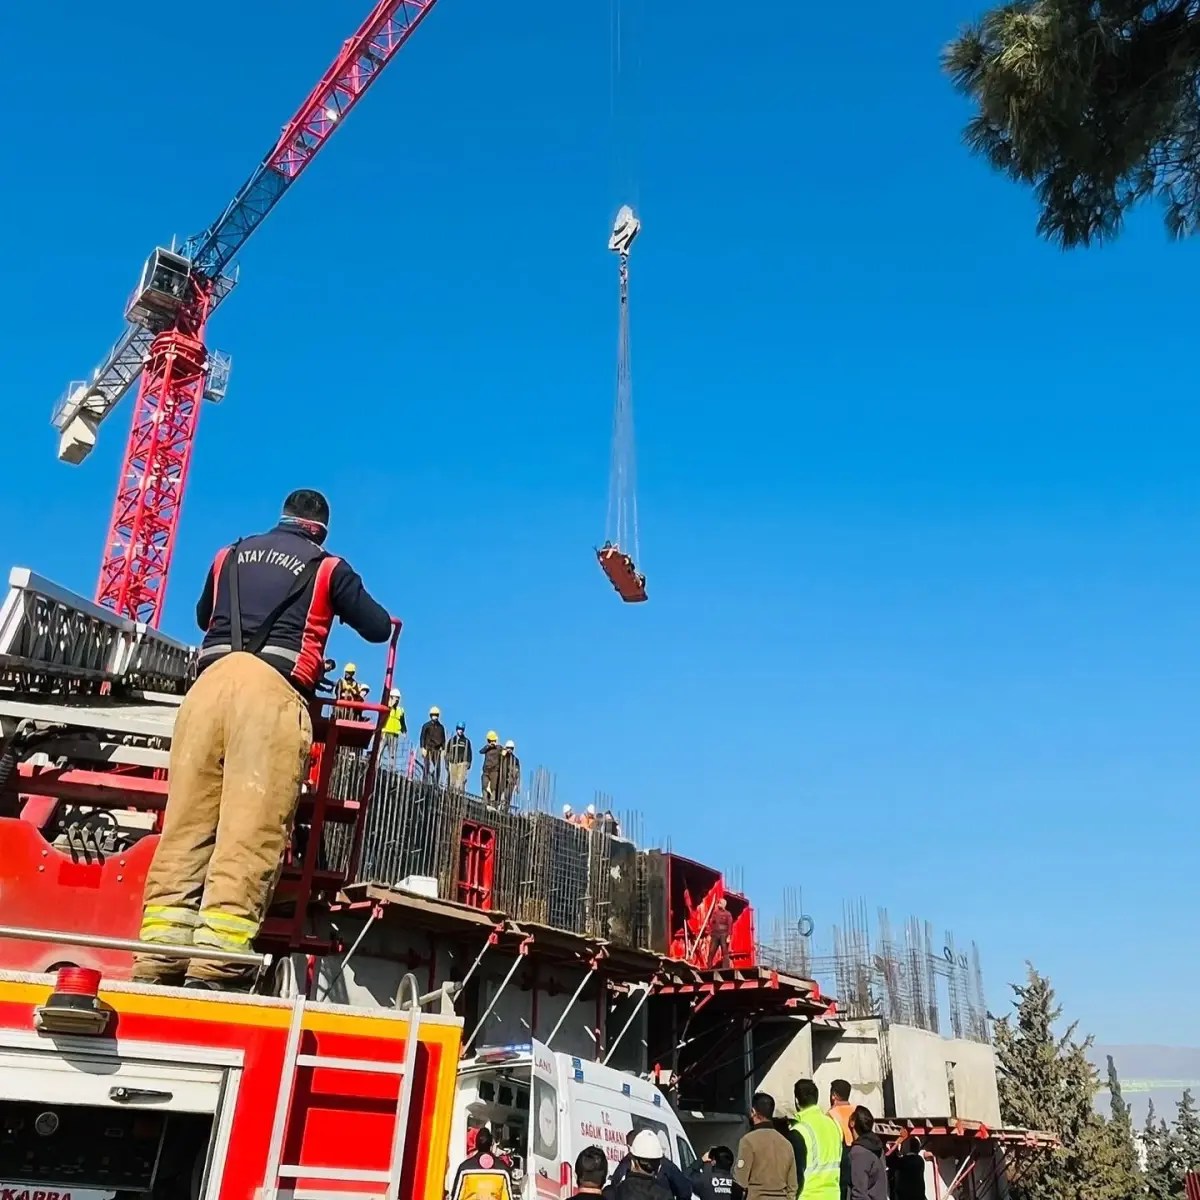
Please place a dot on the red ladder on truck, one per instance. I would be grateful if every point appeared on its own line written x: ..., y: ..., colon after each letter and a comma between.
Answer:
x: 294, y: 1062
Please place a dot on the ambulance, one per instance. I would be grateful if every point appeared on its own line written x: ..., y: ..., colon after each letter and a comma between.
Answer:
x: 544, y: 1107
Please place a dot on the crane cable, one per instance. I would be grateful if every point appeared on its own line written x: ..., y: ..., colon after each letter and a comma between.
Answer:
x: 621, y: 526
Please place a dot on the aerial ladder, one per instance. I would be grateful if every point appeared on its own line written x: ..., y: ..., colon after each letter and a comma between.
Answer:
x: 164, y: 346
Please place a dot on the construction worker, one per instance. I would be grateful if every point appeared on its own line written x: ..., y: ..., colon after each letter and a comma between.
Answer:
x: 348, y: 688
x: 489, y: 782
x: 823, y: 1145
x: 642, y: 1160
x: 840, y: 1108
x: 242, y: 738
x: 458, y: 758
x: 433, y: 746
x: 766, y: 1166
x: 720, y: 931
x: 568, y: 814
x: 587, y: 819
x: 395, y: 726
x: 509, y: 774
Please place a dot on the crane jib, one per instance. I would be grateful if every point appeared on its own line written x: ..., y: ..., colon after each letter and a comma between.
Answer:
x: 358, y: 64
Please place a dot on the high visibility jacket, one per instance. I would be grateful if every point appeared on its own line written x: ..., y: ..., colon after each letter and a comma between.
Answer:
x: 823, y: 1146
x: 395, y: 723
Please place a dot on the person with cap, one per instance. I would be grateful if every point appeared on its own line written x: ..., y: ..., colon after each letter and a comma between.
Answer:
x: 823, y: 1144
x: 348, y: 688
x: 395, y: 726
x: 489, y: 773
x: 647, y: 1164
x: 433, y: 746
x: 242, y: 736
x: 840, y: 1108
x: 458, y: 758
x: 864, y: 1176
x: 509, y: 774
x: 766, y: 1164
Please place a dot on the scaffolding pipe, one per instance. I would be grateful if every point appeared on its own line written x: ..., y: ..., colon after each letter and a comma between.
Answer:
x: 375, y: 912
x: 637, y: 1008
x: 570, y: 1005
x: 462, y: 983
x: 487, y: 1012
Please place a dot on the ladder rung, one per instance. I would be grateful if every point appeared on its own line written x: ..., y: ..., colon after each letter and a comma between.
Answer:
x: 349, y: 1064
x: 344, y: 1174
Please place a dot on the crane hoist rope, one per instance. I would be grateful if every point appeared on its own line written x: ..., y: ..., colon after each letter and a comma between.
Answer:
x: 621, y: 548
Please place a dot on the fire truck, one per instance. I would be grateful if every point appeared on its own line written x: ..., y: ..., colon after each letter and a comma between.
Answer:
x: 111, y: 1089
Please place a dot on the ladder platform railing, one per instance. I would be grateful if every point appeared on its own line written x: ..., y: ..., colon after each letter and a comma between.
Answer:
x: 51, y: 636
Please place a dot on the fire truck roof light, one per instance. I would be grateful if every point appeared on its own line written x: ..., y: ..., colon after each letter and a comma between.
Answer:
x: 74, y: 1007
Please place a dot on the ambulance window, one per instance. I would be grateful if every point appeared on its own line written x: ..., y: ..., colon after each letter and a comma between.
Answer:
x: 545, y: 1120
x: 687, y: 1156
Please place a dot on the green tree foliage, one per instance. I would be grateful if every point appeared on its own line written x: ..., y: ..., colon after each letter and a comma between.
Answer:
x: 1046, y: 1082
x: 1171, y: 1151
x: 1156, y: 1143
x: 1122, y: 1145
x: 1094, y: 104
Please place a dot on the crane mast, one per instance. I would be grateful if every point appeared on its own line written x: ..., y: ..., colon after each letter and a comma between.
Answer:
x: 164, y: 349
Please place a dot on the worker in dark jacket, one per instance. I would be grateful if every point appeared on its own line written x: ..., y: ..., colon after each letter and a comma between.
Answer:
x: 909, y: 1167
x: 458, y: 758
x: 490, y: 771
x: 864, y: 1172
x: 766, y: 1163
x: 242, y: 738
x: 712, y: 1178
x: 721, y: 930
x: 433, y: 745
x: 509, y: 774
x: 646, y: 1173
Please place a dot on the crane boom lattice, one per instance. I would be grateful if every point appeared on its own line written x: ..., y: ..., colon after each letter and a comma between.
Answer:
x: 164, y: 341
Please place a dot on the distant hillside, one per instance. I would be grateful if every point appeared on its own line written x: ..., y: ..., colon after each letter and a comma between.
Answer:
x: 1149, y: 1073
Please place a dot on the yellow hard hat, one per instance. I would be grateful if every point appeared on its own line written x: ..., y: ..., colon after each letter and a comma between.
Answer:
x: 350, y: 668
x: 434, y: 711
x: 493, y: 736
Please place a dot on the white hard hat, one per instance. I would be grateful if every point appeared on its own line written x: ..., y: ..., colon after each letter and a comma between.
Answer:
x: 591, y: 810
x: 510, y: 744
x: 566, y: 808
x: 646, y: 1145
x: 395, y: 693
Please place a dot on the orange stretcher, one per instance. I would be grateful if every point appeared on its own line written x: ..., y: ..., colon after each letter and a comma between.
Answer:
x: 622, y: 574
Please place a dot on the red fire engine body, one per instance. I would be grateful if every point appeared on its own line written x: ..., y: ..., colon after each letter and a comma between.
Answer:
x: 220, y: 1097
x: 173, y: 1094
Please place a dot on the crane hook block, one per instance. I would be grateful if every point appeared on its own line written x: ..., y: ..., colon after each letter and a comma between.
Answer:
x: 625, y: 228
x: 622, y: 574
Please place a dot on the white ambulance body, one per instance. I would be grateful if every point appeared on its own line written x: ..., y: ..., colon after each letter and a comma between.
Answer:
x: 544, y: 1108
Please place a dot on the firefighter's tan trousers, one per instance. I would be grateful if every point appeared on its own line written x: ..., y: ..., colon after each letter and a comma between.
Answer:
x: 238, y: 755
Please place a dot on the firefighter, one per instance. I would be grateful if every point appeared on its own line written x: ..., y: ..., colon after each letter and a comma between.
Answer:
x: 721, y: 923
x: 433, y: 746
x: 242, y: 738
x: 489, y: 775
x: 458, y: 758
x: 509, y: 774
x: 823, y: 1145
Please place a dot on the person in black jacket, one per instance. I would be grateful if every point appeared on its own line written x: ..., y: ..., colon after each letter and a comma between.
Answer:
x: 458, y: 758
x: 433, y: 746
x: 485, y: 1158
x: 909, y: 1167
x: 712, y: 1178
x: 645, y: 1176
x: 242, y: 737
x: 666, y: 1172
x: 864, y: 1172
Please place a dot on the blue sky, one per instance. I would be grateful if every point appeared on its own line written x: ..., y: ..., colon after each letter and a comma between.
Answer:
x: 918, y: 491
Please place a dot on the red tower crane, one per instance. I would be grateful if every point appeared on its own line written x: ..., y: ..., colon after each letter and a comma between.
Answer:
x: 164, y: 341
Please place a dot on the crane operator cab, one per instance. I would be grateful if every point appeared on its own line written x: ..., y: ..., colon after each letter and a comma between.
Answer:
x: 544, y: 1107
x: 161, y: 291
